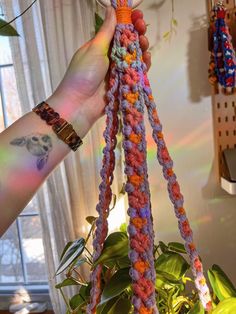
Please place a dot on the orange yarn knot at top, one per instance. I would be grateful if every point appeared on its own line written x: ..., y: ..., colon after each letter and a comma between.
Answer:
x: 123, y: 15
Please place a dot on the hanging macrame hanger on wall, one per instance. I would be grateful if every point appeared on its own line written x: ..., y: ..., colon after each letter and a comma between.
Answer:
x: 222, y: 71
x: 129, y: 92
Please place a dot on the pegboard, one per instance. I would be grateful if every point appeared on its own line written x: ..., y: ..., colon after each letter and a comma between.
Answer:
x: 224, y: 106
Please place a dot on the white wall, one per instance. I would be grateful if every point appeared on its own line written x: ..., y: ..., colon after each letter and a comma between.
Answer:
x: 179, y: 81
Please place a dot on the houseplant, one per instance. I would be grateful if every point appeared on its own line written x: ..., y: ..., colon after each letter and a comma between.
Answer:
x: 174, y: 287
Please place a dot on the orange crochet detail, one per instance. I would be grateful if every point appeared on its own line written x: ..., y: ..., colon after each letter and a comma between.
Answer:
x: 144, y: 310
x: 136, y: 180
x: 192, y: 246
x: 123, y: 15
x: 129, y: 58
x: 181, y: 211
x: 160, y: 135
x: 139, y: 222
x: 135, y: 138
x: 202, y: 281
x: 132, y: 97
x: 170, y: 172
x: 141, y: 266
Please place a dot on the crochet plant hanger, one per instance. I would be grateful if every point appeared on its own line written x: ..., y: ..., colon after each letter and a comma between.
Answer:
x: 222, y: 63
x: 129, y: 92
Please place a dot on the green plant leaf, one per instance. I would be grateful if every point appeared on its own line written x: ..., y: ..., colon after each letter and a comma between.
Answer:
x: 107, y: 306
x: 162, y: 283
x: 221, y: 284
x: 177, y: 247
x: 75, y: 301
x: 67, y: 282
x: 119, y: 140
x: 171, y: 265
x: 227, y: 306
x: 123, y: 262
x: 90, y: 219
x: 123, y: 227
x: 178, y: 302
x: 115, y: 247
x: 7, y: 30
x: 121, y: 306
x: 162, y: 299
x: 73, y: 251
x: 114, y: 198
x: 80, y: 262
x: 98, y: 22
x: 118, y: 263
x: 85, y: 291
x: 118, y: 283
x: 65, y: 249
x: 197, y: 309
x: 163, y: 247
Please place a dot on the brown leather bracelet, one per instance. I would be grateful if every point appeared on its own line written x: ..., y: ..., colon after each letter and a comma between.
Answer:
x: 61, y: 127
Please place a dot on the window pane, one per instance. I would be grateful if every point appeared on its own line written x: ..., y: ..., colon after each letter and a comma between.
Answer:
x: 10, y: 260
x: 21, y: 248
x: 1, y: 117
x: 32, y: 207
x: 5, y: 53
x: 10, y: 95
x: 33, y: 248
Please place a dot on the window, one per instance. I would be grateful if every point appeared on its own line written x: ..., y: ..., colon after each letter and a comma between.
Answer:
x: 22, y: 259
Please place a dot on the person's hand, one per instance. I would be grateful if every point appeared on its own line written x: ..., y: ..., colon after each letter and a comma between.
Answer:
x: 83, y: 87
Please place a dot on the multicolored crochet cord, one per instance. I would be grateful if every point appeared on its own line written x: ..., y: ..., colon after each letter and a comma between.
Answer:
x: 129, y: 92
x: 222, y: 64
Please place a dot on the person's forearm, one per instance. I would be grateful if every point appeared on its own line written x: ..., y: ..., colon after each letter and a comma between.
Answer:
x: 29, y: 151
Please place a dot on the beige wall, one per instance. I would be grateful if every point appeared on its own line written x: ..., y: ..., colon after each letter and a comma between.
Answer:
x: 179, y: 81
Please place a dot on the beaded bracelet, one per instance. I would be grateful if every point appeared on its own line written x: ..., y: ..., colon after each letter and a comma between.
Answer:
x: 61, y: 127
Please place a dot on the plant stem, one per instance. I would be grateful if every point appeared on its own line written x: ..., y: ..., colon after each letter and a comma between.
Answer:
x: 90, y: 255
x: 66, y: 301
x: 80, y: 277
x: 79, y: 307
x: 78, y: 282
x: 157, y: 250
x: 114, y: 203
x: 90, y: 232
x: 19, y: 15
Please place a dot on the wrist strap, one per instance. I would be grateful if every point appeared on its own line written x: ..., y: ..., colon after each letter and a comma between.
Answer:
x: 61, y: 127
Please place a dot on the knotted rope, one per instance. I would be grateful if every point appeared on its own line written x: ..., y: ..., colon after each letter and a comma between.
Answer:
x: 129, y: 92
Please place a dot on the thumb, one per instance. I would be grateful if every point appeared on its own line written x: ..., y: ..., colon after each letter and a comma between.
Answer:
x: 107, y: 30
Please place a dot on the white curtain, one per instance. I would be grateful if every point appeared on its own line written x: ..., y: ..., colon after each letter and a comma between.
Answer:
x: 50, y: 32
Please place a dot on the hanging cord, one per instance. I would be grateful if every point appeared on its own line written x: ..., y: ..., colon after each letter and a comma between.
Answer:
x: 125, y: 71
x: 176, y: 198
x: 130, y: 86
x: 105, y: 195
x: 128, y: 57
